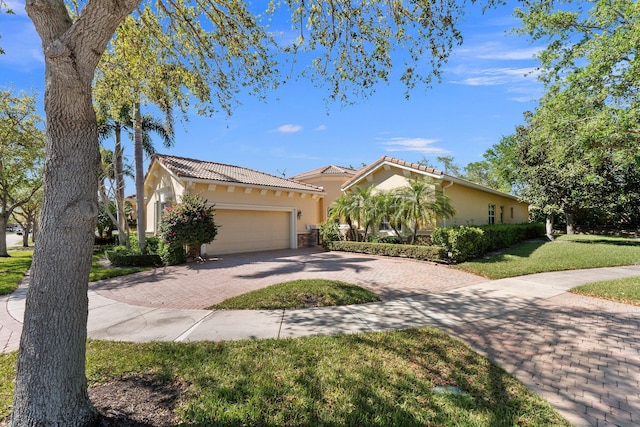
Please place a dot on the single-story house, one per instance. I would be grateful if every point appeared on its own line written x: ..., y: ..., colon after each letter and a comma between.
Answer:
x: 258, y: 211
x: 254, y: 210
x: 475, y: 204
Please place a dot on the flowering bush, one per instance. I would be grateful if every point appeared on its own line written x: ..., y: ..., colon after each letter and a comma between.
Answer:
x: 188, y: 223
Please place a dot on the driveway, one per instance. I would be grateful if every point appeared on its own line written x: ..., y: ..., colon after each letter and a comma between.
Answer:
x: 200, y: 285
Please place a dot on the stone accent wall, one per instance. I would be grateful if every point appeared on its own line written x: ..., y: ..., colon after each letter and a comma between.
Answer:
x: 309, y: 239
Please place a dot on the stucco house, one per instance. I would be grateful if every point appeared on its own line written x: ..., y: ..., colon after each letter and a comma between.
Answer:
x: 257, y: 211
x: 475, y: 204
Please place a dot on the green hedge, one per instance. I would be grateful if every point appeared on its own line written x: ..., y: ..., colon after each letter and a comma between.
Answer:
x: 464, y: 243
x: 134, y: 260
x: 430, y: 253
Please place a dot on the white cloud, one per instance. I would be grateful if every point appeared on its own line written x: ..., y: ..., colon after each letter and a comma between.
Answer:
x: 321, y: 128
x: 500, y: 52
x: 289, y: 128
x: 496, y: 76
x: 415, y: 145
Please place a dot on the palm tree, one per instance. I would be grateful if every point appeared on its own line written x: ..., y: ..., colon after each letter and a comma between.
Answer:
x: 340, y: 210
x: 391, y: 208
x: 140, y: 128
x: 421, y: 204
x: 109, y: 125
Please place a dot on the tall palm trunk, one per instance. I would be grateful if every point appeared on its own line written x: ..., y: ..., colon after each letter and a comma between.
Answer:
x: 123, y: 235
x: 137, y: 148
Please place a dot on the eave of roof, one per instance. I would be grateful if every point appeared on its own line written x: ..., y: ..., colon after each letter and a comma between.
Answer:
x: 329, y: 170
x: 415, y: 167
x: 186, y: 169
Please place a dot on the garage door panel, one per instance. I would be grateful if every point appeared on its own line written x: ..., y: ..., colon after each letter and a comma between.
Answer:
x: 249, y: 231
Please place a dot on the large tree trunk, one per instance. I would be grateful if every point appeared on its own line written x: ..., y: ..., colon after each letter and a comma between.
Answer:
x: 3, y: 235
x: 549, y: 226
x: 570, y: 223
x: 137, y: 147
x: 51, y: 387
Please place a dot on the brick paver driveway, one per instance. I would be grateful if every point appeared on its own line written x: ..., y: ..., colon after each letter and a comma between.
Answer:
x: 200, y: 285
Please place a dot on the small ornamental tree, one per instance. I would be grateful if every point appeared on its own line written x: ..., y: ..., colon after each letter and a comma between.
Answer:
x: 189, y: 223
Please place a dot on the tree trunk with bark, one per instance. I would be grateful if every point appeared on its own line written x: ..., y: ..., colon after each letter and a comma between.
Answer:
x: 549, y: 227
x: 123, y: 229
x: 51, y: 386
x: 137, y: 148
x: 570, y: 223
x: 3, y: 235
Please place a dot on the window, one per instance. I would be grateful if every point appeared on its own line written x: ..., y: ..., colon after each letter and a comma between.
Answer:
x: 492, y: 214
x: 512, y: 212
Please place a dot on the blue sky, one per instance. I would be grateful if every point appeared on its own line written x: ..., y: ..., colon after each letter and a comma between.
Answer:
x: 487, y: 84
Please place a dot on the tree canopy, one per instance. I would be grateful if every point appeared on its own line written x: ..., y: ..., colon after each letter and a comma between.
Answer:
x: 21, y: 155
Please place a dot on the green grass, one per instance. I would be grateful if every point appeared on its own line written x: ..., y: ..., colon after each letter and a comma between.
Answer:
x: 625, y: 290
x: 567, y: 253
x: 12, y: 269
x: 99, y: 272
x: 299, y: 294
x: 373, y: 379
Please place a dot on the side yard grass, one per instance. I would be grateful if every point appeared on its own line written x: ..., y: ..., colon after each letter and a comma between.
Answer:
x: 299, y: 294
x: 566, y: 253
x: 372, y: 379
x: 625, y: 290
x: 12, y: 269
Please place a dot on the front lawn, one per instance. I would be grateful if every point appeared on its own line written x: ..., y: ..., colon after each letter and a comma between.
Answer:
x: 625, y: 290
x: 372, y: 379
x: 567, y: 253
x: 12, y: 269
x: 299, y: 294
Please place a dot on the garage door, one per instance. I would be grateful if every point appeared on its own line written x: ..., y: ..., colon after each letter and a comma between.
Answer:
x: 250, y: 231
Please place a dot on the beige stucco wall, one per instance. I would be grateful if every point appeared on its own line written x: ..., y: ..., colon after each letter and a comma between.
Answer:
x: 472, y: 207
x: 331, y: 184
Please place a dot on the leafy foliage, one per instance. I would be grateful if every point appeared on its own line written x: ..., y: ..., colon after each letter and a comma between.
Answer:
x: 21, y: 155
x: 190, y: 223
x: 421, y: 252
x: 464, y: 243
x: 329, y: 232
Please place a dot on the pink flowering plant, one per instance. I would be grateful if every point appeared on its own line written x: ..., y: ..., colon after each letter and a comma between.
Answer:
x: 188, y: 223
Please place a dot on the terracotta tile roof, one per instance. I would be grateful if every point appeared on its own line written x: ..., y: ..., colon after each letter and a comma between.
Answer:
x: 219, y: 172
x: 326, y: 170
x: 387, y: 159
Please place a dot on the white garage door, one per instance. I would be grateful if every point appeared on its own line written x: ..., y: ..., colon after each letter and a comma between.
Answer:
x: 250, y: 231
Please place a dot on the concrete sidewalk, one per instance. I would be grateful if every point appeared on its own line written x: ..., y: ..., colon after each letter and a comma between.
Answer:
x: 581, y: 354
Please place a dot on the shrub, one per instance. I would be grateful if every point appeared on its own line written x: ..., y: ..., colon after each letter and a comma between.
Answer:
x: 188, y: 223
x: 120, y: 256
x: 385, y: 239
x: 329, y: 232
x: 464, y: 243
x: 172, y: 253
x: 421, y: 252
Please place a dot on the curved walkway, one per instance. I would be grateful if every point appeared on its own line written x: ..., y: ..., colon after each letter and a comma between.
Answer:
x: 581, y: 354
